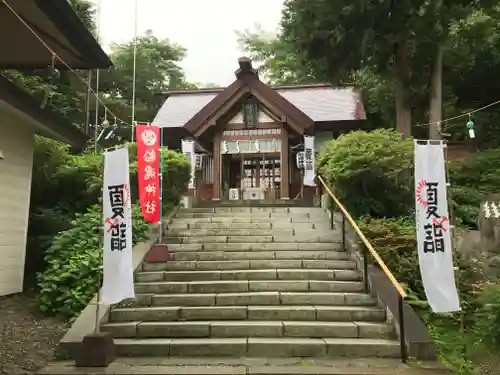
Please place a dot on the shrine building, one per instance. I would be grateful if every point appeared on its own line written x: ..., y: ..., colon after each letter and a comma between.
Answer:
x: 247, y: 136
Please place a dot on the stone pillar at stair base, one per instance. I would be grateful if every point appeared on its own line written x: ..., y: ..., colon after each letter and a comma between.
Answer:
x: 158, y: 254
x: 97, y: 350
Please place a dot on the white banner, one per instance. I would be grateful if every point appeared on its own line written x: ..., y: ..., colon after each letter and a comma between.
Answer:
x: 188, y: 150
x: 433, y: 228
x: 118, y: 282
x: 309, y: 161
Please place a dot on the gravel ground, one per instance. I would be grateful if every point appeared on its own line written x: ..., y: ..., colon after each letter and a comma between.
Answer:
x: 27, y: 340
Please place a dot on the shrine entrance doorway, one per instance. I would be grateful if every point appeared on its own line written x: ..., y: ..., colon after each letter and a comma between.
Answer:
x: 251, y: 176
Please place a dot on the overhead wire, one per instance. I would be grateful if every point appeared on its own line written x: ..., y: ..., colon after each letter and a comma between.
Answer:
x: 466, y: 114
x: 56, y: 56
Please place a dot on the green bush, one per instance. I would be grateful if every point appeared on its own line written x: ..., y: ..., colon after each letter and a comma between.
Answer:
x: 371, y: 171
x: 74, y: 261
x: 488, y: 314
x: 473, y: 179
x: 395, y: 240
x: 81, y: 177
x: 66, y: 184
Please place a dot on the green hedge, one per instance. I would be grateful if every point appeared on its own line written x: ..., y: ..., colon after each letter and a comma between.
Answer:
x: 371, y: 172
x: 64, y: 231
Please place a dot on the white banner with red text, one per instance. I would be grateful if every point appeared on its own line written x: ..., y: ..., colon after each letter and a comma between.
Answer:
x: 434, y: 243
x: 309, y: 161
x: 188, y: 150
x: 118, y: 272
x: 148, y: 171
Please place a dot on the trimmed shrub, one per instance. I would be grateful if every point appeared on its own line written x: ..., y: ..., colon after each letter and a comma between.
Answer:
x: 372, y: 172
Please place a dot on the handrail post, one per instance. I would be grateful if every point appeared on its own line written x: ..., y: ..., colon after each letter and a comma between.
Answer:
x: 332, y: 217
x: 402, y: 337
x: 365, y: 269
x: 344, y: 247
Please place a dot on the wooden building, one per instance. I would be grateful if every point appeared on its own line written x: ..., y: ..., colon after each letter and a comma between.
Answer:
x: 247, y: 135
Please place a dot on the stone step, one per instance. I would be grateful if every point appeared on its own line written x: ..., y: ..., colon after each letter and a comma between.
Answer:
x: 231, y: 328
x: 256, y: 215
x: 256, y: 347
x: 234, y: 286
x: 267, y: 312
x: 177, y: 224
x: 292, y: 210
x: 248, y: 264
x: 252, y: 366
x: 183, y: 232
x: 248, y: 219
x: 254, y: 298
x: 283, y: 239
x: 256, y: 255
x: 251, y: 246
x: 261, y: 274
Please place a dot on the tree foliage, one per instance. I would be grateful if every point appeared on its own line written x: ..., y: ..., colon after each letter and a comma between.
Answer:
x: 279, y: 63
x: 157, y: 70
x: 354, y: 44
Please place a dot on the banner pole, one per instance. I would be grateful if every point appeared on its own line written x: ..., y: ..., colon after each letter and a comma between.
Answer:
x: 101, y: 224
x: 101, y: 265
x: 161, y: 185
x: 453, y: 233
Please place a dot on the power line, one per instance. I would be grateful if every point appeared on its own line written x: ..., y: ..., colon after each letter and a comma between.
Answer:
x: 55, y: 55
x: 462, y: 115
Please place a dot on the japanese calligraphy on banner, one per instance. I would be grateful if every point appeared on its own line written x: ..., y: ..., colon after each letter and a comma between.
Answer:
x: 188, y: 150
x: 148, y: 171
x: 309, y: 161
x: 118, y: 282
x: 435, y: 252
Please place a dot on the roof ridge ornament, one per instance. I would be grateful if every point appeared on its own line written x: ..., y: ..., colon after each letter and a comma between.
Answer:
x: 246, y: 67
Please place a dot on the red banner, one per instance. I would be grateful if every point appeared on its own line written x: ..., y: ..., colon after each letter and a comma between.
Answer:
x: 148, y: 170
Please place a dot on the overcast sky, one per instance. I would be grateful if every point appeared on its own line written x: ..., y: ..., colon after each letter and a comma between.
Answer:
x: 205, y: 28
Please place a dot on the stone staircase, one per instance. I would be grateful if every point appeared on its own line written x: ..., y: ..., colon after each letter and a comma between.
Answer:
x: 252, y: 282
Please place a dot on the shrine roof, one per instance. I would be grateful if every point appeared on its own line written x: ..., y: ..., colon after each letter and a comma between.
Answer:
x: 320, y: 102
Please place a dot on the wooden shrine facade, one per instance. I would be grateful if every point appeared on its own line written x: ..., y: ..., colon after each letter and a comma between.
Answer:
x: 247, y: 135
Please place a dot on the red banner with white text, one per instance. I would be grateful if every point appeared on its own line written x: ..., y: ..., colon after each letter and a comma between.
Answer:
x: 148, y: 171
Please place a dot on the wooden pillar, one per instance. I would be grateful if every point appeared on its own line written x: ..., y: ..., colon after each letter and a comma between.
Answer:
x: 257, y: 173
x: 217, y: 168
x: 285, y: 159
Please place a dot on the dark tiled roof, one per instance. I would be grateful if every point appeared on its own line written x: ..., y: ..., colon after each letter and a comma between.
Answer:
x: 319, y: 102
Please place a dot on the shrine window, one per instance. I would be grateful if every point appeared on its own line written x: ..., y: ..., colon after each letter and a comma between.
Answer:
x: 251, y: 113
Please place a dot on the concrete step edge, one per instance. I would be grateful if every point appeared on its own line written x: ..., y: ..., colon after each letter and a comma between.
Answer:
x: 347, y: 308
x: 248, y: 328
x: 251, y: 347
x: 251, y: 366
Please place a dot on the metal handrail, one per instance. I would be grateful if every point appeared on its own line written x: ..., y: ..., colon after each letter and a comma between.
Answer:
x: 368, y: 248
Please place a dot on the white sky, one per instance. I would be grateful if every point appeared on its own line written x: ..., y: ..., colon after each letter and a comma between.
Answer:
x: 205, y: 27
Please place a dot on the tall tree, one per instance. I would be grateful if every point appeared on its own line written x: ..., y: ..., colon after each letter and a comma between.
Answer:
x: 157, y: 70
x: 396, y: 39
x: 281, y: 64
